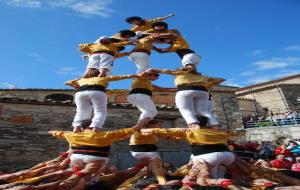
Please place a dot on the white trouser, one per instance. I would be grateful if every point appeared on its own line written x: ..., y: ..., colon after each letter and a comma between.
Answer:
x: 86, y: 101
x: 86, y: 158
x: 190, y: 58
x: 216, y: 161
x: 141, y: 61
x: 141, y: 155
x: 211, y: 118
x: 144, y: 103
x: 100, y: 61
x: 192, y: 103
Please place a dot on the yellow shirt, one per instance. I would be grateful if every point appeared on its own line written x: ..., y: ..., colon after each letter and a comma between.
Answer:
x: 141, y: 83
x: 145, y: 43
x: 101, y: 81
x: 193, y: 136
x: 147, y: 25
x: 95, y: 139
x: 137, y: 138
x: 191, y: 79
x: 91, y: 48
x: 178, y: 43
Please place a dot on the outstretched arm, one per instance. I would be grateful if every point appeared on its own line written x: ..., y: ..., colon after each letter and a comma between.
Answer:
x: 163, y: 18
x: 73, y: 83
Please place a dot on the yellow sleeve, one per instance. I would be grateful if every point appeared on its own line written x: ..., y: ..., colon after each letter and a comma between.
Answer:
x: 118, y: 77
x: 129, y: 182
x: 172, y: 134
x: 159, y: 19
x: 58, y: 134
x: 166, y: 71
x: 119, y: 44
x: 85, y: 48
x: 120, y: 134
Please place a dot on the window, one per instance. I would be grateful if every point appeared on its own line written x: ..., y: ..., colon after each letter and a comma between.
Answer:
x: 59, y: 97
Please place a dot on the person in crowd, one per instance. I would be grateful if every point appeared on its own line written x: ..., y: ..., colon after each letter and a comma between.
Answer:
x: 140, y: 24
x: 207, y: 146
x: 281, y: 163
x: 101, y: 54
x: 89, y: 152
x: 90, y: 96
x: 296, y: 166
x: 177, y: 43
x: 192, y: 94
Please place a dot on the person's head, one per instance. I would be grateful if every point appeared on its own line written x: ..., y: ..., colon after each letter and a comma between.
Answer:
x: 154, y: 123
x: 127, y: 34
x: 230, y: 141
x: 280, y: 157
x: 135, y: 20
x: 160, y: 26
x: 92, y: 72
x: 167, y: 165
x: 297, y: 159
x: 265, y: 164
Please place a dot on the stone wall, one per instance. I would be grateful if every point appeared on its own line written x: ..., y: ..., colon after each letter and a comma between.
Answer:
x: 272, y: 133
x: 292, y: 96
x: 23, y: 131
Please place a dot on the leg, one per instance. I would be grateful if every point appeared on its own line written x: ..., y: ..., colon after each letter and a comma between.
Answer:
x: 83, y: 107
x: 141, y: 60
x: 99, y: 101
x: 106, y: 64
x: 203, y: 107
x: 185, y: 104
x: 156, y: 168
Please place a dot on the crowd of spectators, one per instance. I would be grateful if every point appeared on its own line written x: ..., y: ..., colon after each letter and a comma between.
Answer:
x: 276, y: 154
x: 272, y: 119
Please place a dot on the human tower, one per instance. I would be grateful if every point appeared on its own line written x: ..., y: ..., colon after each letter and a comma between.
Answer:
x: 83, y: 164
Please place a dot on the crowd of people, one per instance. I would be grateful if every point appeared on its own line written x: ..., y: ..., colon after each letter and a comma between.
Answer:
x: 85, y: 165
x: 272, y: 119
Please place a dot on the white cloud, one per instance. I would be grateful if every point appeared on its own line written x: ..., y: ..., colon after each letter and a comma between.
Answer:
x: 277, y: 63
x: 257, y: 52
x: 24, y: 3
x: 292, y: 48
x: 84, y: 7
x: 8, y: 85
x: 248, y: 73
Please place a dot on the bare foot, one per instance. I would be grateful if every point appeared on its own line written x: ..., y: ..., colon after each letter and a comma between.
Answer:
x: 96, y: 129
x: 77, y: 129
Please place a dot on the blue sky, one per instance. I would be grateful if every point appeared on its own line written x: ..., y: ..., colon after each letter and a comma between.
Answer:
x: 243, y: 41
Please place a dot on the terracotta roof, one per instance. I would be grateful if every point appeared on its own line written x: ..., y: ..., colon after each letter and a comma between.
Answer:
x: 269, y: 82
x: 13, y: 100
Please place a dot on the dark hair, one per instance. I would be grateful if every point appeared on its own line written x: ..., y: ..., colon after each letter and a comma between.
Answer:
x: 132, y: 18
x: 114, y: 40
x: 124, y: 33
x: 121, y: 48
x: 160, y: 24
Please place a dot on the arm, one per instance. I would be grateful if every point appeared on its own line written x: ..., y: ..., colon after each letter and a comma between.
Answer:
x: 170, y: 134
x: 57, y: 134
x: 73, y: 83
x: 163, y: 18
x: 121, y: 77
x: 122, y: 134
x: 119, y: 55
x: 85, y: 48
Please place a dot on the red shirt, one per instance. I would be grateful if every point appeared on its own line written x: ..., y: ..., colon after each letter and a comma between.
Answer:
x: 296, y: 167
x: 284, y: 164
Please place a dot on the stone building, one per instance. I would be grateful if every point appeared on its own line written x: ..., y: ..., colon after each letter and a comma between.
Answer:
x: 27, y: 114
x: 278, y: 96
